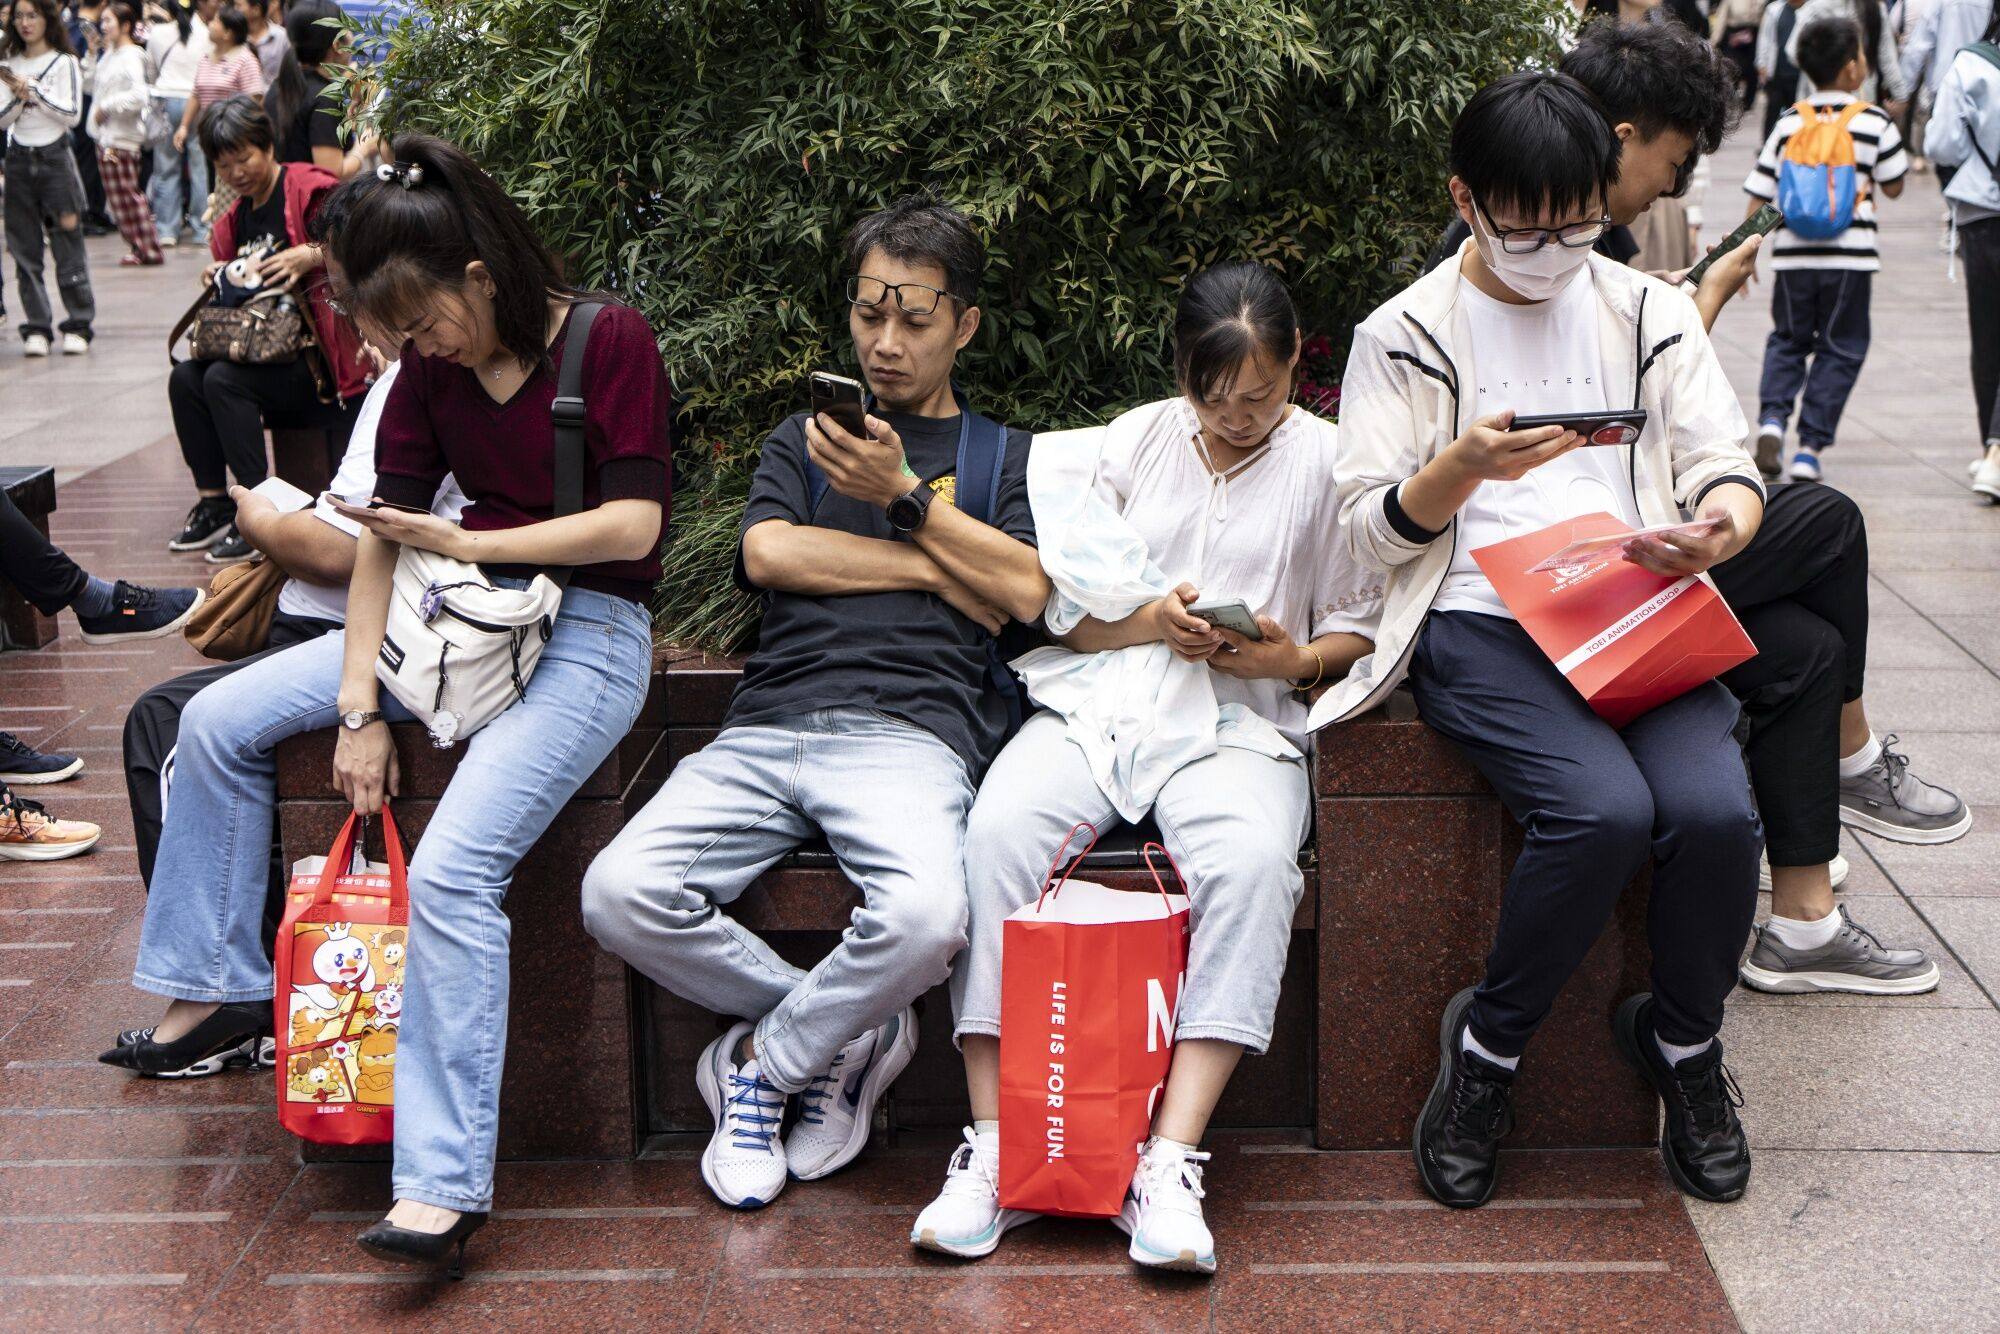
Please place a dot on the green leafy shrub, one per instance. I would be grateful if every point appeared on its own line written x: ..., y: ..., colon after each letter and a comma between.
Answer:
x: 706, y: 158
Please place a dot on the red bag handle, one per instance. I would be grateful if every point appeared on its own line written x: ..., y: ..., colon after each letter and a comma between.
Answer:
x: 1146, y: 853
x: 1050, y: 883
x: 340, y: 858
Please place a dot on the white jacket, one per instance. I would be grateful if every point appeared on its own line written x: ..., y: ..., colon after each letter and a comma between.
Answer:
x: 118, y: 100
x: 1400, y: 408
x: 1967, y: 114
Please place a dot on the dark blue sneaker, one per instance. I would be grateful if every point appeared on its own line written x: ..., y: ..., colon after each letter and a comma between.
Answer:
x: 22, y: 765
x: 141, y: 613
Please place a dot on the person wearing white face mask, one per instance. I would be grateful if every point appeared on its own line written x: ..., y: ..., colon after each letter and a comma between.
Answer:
x: 1528, y: 320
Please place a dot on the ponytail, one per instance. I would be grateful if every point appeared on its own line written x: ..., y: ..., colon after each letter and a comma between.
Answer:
x: 288, y: 92
x: 407, y: 231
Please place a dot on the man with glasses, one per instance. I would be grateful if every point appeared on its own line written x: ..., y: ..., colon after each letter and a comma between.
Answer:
x: 868, y: 713
x: 1528, y: 320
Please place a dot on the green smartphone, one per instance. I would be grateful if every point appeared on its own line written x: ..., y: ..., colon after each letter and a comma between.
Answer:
x: 1761, y: 223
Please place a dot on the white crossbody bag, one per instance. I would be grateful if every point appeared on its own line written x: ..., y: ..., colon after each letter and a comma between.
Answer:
x: 458, y: 650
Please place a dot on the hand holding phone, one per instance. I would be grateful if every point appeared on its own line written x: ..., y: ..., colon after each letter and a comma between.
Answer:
x: 1596, y: 428
x: 1232, y: 614
x: 841, y: 399
x: 1761, y: 223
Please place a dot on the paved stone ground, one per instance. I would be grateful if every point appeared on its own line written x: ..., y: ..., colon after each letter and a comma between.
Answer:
x: 1878, y: 1148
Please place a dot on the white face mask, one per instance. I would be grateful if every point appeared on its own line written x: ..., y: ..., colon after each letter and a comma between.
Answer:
x: 1537, y: 276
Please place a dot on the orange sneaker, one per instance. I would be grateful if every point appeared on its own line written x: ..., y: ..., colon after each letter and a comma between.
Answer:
x: 28, y: 833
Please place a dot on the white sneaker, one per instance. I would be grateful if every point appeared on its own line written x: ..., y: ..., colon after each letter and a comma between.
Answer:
x: 837, y: 1110
x: 1162, y: 1213
x: 1836, y: 871
x: 170, y: 242
x: 966, y: 1218
x: 34, y: 345
x: 1805, y: 465
x: 75, y: 345
x: 744, y: 1163
x: 1986, y: 477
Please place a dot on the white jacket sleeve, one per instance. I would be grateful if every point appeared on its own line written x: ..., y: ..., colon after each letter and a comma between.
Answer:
x: 1379, y: 448
x: 1705, y: 424
x: 1948, y: 137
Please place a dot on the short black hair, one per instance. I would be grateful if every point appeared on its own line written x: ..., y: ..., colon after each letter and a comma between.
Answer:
x: 1532, y: 141
x: 1226, y: 314
x: 234, y: 24
x: 1825, y: 48
x: 923, y: 229
x: 235, y: 124
x: 1657, y: 77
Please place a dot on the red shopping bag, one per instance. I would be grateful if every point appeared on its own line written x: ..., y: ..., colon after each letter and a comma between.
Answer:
x: 1629, y: 640
x: 340, y: 953
x: 1090, y: 981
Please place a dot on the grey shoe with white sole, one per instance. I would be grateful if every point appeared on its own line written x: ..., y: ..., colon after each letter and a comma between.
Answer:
x: 1891, y: 801
x: 1852, y: 961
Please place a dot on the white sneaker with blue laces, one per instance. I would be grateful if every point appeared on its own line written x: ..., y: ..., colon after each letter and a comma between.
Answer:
x: 966, y: 1219
x: 837, y: 1109
x: 744, y: 1163
x: 1162, y: 1212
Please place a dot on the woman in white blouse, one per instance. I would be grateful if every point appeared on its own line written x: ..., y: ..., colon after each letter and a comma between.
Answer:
x: 1225, y: 493
x: 41, y: 100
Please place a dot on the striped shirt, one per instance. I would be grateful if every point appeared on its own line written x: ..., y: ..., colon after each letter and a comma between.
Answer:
x: 53, y: 105
x: 1878, y: 159
x: 219, y: 80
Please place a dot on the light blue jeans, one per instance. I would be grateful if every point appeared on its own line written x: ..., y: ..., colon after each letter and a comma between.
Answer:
x: 202, y: 935
x: 163, y: 192
x: 1233, y: 820
x: 891, y: 799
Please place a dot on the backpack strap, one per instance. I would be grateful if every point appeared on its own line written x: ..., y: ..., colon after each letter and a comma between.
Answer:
x: 981, y: 460
x: 566, y: 415
x: 1848, y: 113
x: 1986, y: 51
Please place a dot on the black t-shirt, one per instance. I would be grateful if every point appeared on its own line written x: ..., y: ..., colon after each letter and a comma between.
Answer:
x: 1616, y: 244
x: 314, y: 124
x: 909, y: 655
x: 266, y: 222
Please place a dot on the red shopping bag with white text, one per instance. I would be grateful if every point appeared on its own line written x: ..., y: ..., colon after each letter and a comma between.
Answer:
x: 1629, y: 640
x: 1090, y: 982
x: 341, y: 951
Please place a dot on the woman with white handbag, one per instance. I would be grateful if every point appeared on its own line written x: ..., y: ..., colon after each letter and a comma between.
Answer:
x: 522, y: 630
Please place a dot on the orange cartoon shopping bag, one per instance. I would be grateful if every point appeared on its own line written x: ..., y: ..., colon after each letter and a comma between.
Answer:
x: 340, y: 954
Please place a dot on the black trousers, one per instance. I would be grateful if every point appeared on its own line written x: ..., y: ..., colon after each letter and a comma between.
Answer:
x: 1596, y: 802
x: 219, y: 409
x: 1979, y: 248
x: 153, y: 728
x: 1801, y: 590
x: 35, y: 565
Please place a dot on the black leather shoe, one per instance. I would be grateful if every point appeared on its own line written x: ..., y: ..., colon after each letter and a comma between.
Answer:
x: 386, y: 1241
x: 1471, y: 1107
x: 237, y: 1034
x: 1702, y: 1141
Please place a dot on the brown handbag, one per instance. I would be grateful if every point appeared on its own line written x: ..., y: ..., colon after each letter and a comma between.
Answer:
x: 270, y: 331
x: 235, y: 620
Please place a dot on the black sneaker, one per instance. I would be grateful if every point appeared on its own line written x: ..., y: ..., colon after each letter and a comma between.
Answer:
x: 231, y: 549
x: 1702, y: 1141
x: 22, y: 765
x: 1471, y: 1107
x: 236, y: 1035
x: 141, y: 613
x: 207, y: 523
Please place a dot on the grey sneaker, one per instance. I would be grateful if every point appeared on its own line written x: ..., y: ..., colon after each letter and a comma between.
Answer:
x: 1891, y: 801
x: 1836, y: 871
x: 1852, y: 961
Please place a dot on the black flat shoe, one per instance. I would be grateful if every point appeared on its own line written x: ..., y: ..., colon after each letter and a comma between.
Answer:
x: 236, y: 1035
x: 1457, y: 1137
x: 386, y: 1241
x: 1701, y: 1139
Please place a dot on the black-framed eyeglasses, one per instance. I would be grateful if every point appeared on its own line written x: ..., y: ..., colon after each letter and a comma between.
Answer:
x: 912, y: 298
x: 1527, y: 240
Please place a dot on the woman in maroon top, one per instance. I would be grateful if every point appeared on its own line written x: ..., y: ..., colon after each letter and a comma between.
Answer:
x: 430, y: 249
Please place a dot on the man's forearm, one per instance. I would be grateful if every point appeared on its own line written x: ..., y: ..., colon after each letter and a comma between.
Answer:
x: 303, y: 545
x: 1745, y: 508
x: 820, y: 562
x: 1003, y: 570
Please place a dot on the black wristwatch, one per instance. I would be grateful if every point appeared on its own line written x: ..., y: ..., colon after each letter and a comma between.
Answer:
x: 908, y: 511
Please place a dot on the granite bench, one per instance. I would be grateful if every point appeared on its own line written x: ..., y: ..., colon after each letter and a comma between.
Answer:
x: 33, y: 491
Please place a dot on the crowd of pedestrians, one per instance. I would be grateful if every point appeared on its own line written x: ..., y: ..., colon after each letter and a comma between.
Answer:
x: 891, y: 554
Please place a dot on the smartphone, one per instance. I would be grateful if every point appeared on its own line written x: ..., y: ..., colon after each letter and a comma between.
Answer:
x: 343, y: 503
x: 1761, y: 223
x: 841, y: 399
x: 1596, y: 428
x: 1227, y: 614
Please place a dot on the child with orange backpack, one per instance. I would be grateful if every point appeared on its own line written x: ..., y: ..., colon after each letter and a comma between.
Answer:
x: 1822, y: 166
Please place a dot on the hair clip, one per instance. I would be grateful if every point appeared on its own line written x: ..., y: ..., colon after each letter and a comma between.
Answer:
x: 408, y: 175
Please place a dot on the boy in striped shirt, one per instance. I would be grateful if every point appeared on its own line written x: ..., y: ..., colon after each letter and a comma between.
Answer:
x: 1819, y: 300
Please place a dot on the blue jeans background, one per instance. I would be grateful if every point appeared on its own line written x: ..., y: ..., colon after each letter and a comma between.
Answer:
x: 170, y: 209
x: 1821, y: 314
x: 202, y: 934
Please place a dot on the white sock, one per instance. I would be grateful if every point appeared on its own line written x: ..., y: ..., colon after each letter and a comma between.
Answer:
x: 1184, y: 1148
x: 986, y: 1130
x: 1857, y: 764
x: 1471, y: 1044
x: 1807, y: 933
x: 1675, y: 1055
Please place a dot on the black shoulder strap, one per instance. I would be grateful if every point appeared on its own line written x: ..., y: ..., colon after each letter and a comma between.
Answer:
x: 567, y: 414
